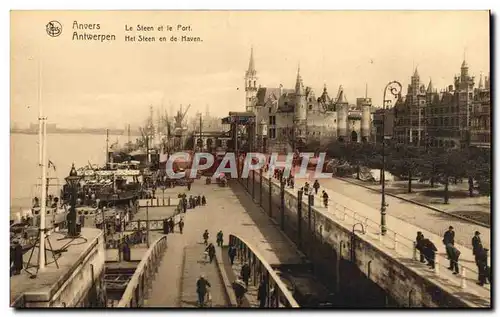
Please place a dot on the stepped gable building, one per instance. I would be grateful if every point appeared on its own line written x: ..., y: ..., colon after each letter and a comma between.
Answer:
x: 296, y: 116
x: 457, y: 116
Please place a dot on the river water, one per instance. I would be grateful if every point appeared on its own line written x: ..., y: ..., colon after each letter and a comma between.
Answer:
x: 62, y: 150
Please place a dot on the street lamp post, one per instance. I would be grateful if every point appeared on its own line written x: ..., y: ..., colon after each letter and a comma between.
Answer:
x: 72, y: 181
x: 394, y: 89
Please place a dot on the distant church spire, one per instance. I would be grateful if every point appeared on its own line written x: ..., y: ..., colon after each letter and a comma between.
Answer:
x: 251, y: 65
x: 299, y: 87
x: 415, y: 74
x: 430, y: 88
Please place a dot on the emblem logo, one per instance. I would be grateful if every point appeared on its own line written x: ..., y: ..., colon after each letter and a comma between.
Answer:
x: 53, y: 28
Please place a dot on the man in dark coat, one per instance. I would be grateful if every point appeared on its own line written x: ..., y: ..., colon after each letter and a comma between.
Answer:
x: 232, y: 253
x: 482, y: 265
x: 477, y: 245
x: 220, y: 238
x: 454, y: 254
x: 202, y: 286
x: 211, y: 252
x: 420, y: 246
x: 429, y: 252
x: 449, y: 238
x: 316, y: 186
x: 181, y: 225
x: 262, y: 294
x: 245, y: 273
x: 171, y: 224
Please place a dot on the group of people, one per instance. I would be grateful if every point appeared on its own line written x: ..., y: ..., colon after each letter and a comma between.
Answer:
x: 307, y: 189
x: 191, y: 202
x: 428, y: 251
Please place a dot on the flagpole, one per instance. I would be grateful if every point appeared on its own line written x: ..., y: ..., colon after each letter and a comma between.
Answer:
x: 43, y: 161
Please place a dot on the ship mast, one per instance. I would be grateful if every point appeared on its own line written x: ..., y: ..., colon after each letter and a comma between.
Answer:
x: 42, y: 136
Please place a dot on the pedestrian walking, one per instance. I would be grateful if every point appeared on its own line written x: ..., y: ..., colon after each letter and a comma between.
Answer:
x: 211, y: 252
x: 189, y: 185
x: 316, y: 186
x: 239, y: 291
x: 220, y: 238
x: 262, y: 294
x: 232, y: 253
x: 171, y: 224
x: 205, y: 237
x: 203, y: 200
x: 202, y: 286
x: 181, y: 225
x: 245, y: 273
x: 484, y: 274
x: 420, y: 245
x: 430, y: 252
x: 449, y: 238
x: 454, y: 254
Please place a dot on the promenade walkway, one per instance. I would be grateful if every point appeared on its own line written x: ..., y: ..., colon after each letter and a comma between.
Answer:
x: 363, y: 206
x: 230, y: 210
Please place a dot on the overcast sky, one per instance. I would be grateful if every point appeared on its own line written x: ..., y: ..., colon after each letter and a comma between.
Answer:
x: 111, y: 84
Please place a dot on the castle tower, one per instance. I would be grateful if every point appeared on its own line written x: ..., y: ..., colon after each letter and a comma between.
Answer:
x: 342, y: 112
x: 300, y: 111
x: 250, y: 84
x: 464, y: 71
x: 415, y: 82
x: 366, y: 106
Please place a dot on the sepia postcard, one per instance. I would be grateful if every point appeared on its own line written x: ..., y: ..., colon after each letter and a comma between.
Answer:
x: 250, y: 159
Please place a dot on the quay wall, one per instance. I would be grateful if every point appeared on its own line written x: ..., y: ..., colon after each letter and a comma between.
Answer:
x: 366, y: 274
x: 83, y: 285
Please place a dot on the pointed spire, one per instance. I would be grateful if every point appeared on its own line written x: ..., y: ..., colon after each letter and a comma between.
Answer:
x: 415, y: 74
x: 324, y: 88
x: 251, y: 65
x: 299, y: 87
x: 464, y: 63
x: 341, y: 98
x: 481, y: 86
x: 430, y: 88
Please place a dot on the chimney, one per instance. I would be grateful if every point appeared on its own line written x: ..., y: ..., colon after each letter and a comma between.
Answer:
x: 281, y: 90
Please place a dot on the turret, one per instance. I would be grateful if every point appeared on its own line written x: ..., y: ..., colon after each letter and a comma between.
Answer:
x: 342, y: 112
x: 366, y: 106
x: 250, y: 84
x: 415, y: 82
x: 300, y: 107
x: 480, y: 85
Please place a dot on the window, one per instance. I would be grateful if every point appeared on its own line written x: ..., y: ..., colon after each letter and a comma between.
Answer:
x: 272, y: 133
x: 310, y: 107
x: 272, y: 120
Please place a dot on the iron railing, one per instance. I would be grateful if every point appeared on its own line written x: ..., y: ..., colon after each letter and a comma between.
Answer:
x: 138, y: 286
x: 277, y: 292
x: 401, y: 245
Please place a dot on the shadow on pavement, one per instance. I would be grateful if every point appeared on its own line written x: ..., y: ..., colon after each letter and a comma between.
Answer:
x: 269, y: 230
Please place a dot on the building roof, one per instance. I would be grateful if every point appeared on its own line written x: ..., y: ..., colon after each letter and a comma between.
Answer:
x: 430, y: 88
x: 299, y: 86
x: 341, y: 98
x: 251, y: 65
